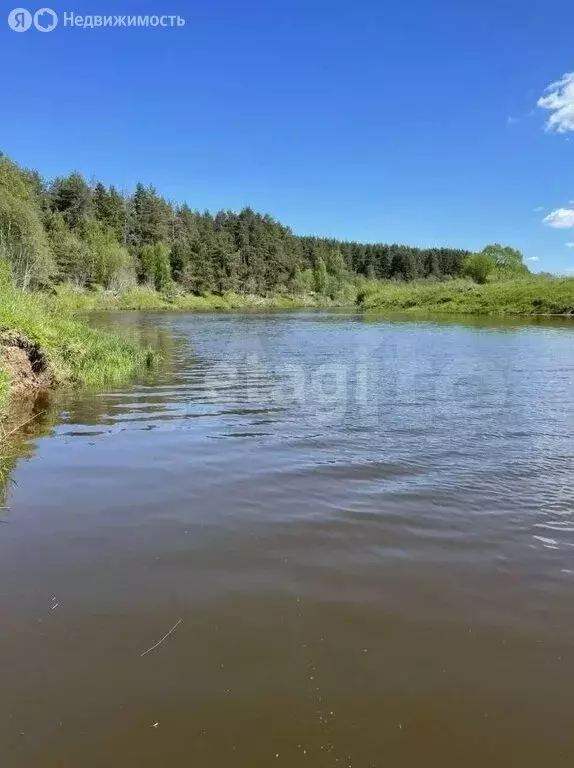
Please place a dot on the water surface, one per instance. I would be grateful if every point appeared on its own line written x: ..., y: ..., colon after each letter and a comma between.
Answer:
x: 363, y: 531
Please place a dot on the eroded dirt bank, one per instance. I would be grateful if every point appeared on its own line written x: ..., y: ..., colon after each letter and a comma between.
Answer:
x: 25, y: 364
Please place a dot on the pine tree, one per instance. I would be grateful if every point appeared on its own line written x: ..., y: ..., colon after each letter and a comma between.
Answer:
x: 71, y: 196
x: 110, y: 210
x: 152, y: 218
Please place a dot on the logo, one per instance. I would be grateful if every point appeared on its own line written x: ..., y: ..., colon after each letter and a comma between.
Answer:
x: 45, y: 20
x: 20, y: 20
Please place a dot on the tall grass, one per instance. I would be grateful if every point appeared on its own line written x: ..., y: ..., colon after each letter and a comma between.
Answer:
x: 145, y: 299
x: 526, y: 296
x: 75, y: 352
x: 533, y: 295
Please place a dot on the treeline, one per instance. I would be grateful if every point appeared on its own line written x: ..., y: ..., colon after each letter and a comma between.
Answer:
x: 90, y: 234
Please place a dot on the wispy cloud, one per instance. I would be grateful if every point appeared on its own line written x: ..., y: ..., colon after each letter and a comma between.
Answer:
x: 538, y: 209
x: 563, y: 218
x: 514, y: 119
x: 559, y: 100
x: 533, y: 258
x: 569, y: 245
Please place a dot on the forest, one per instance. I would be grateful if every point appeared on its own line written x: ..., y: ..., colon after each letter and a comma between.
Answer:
x: 89, y: 234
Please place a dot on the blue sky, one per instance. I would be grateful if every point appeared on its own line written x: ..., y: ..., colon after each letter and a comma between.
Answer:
x: 398, y: 122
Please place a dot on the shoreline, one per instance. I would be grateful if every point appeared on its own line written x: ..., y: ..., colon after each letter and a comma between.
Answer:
x: 454, y: 299
x: 535, y: 296
x: 44, y: 345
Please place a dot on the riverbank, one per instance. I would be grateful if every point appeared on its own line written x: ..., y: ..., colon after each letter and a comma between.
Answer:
x: 531, y: 295
x: 147, y: 299
x: 43, y: 346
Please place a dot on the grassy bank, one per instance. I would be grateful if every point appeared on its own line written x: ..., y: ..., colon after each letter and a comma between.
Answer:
x: 70, y: 351
x: 531, y: 295
x: 142, y: 298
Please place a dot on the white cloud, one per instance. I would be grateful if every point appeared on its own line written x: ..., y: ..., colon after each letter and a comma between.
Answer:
x: 538, y: 209
x: 569, y: 245
x: 559, y: 100
x: 563, y: 218
x: 533, y: 258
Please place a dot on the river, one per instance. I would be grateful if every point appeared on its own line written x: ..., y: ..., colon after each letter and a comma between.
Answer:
x: 309, y: 538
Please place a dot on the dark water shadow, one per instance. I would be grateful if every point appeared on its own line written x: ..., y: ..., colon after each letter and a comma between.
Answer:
x: 27, y: 420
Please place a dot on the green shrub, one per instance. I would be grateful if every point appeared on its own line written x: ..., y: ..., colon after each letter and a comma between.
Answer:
x: 479, y: 267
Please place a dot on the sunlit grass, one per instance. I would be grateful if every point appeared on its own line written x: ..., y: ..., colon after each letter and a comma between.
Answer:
x: 146, y: 299
x: 525, y: 296
x: 75, y: 352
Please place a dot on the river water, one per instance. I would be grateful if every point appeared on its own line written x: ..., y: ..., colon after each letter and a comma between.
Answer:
x: 307, y: 539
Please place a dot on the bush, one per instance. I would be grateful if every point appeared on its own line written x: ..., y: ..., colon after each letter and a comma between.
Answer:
x: 155, y: 267
x: 478, y: 266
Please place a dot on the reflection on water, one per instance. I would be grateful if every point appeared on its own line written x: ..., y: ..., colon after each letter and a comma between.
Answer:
x: 361, y: 530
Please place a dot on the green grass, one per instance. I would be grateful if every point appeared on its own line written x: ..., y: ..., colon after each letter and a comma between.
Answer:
x: 533, y: 295
x: 525, y: 296
x: 75, y: 352
x: 142, y: 298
